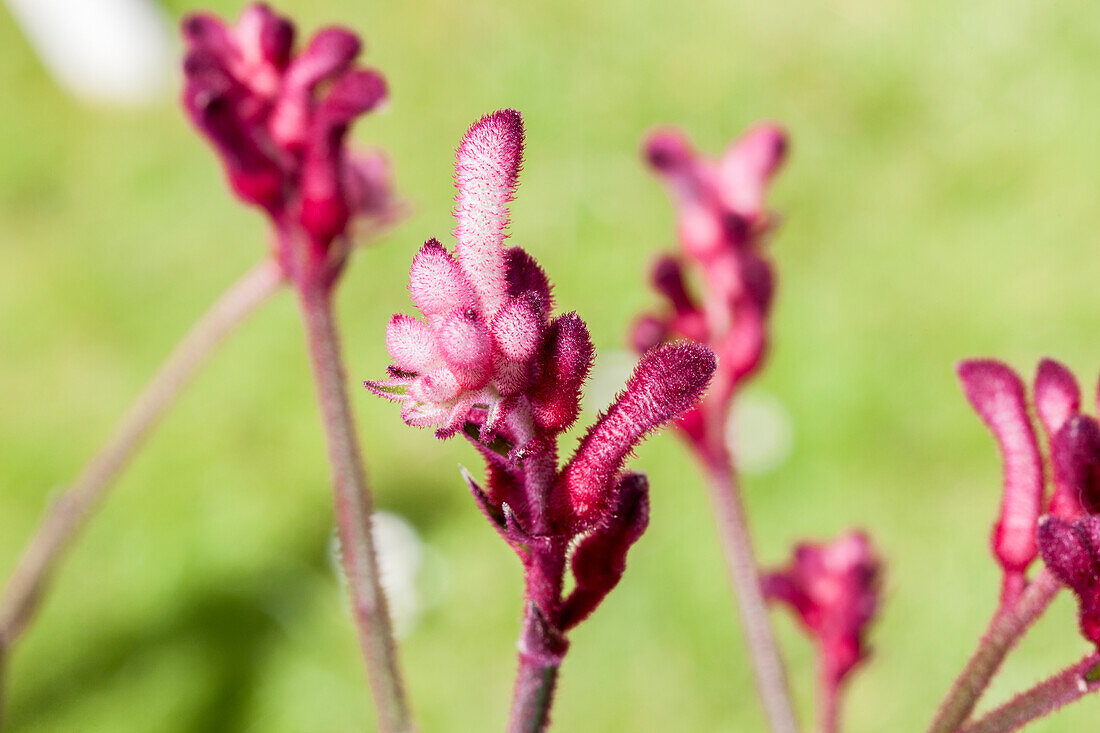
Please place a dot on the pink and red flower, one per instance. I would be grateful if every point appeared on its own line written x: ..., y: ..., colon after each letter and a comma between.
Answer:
x: 279, y: 120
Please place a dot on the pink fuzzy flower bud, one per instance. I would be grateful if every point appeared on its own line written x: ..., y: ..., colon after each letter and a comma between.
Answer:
x: 279, y: 121
x: 1057, y: 396
x: 833, y: 588
x: 1071, y: 551
x: 486, y: 172
x: 997, y: 395
x: 666, y: 382
x: 486, y: 310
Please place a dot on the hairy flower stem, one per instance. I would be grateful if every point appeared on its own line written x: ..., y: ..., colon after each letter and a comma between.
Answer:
x: 771, y: 678
x: 68, y: 514
x: 1006, y: 628
x: 1063, y: 688
x: 541, y: 645
x: 540, y: 656
x: 353, y: 512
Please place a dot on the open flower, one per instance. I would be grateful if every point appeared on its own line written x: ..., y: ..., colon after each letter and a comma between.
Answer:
x: 999, y: 397
x: 279, y: 120
x: 833, y: 588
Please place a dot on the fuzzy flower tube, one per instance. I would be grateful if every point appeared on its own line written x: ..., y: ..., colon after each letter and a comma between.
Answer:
x: 1033, y: 518
x: 283, y: 150
x: 722, y: 227
x: 833, y: 589
x: 279, y: 119
x: 489, y: 360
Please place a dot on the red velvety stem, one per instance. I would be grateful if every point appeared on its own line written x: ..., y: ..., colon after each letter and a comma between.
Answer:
x: 541, y: 650
x: 1063, y: 688
x: 353, y: 512
x: 1006, y: 628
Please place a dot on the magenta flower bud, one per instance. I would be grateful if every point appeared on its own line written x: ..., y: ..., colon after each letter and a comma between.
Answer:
x: 668, y: 279
x: 748, y: 166
x: 833, y: 588
x: 486, y: 172
x: 668, y: 151
x: 759, y: 279
x: 1070, y: 550
x: 648, y: 332
x: 599, y: 560
x: 997, y: 395
x: 566, y: 360
x: 329, y: 53
x: 1075, y: 455
x: 1057, y: 396
x: 325, y: 208
x: 283, y: 147
x: 666, y: 382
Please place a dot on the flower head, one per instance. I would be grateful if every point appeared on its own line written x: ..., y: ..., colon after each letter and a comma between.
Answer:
x: 488, y: 358
x: 999, y: 397
x: 722, y: 223
x: 833, y: 588
x: 485, y: 308
x: 279, y: 120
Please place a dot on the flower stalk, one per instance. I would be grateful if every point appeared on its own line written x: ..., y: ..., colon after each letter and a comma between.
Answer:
x: 279, y: 118
x: 353, y: 512
x: 69, y: 513
x: 768, y: 669
x: 721, y: 225
x: 1070, y: 685
x: 1006, y: 628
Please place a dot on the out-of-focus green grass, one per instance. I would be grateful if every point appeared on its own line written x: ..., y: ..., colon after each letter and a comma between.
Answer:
x: 940, y: 202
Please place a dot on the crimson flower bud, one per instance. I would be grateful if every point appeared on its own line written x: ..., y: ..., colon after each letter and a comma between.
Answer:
x: 833, y: 588
x: 1070, y: 550
x: 997, y: 395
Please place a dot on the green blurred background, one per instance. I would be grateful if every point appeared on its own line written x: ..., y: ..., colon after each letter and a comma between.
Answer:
x: 940, y: 202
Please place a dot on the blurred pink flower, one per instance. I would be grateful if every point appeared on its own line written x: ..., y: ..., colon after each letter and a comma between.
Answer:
x: 279, y: 120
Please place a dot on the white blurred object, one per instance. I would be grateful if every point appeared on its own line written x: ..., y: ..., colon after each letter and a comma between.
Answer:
x: 400, y: 558
x: 104, y: 50
x: 760, y: 432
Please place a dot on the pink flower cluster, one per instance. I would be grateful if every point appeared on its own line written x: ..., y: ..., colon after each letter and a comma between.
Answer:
x: 722, y: 223
x: 489, y: 359
x: 279, y: 120
x: 833, y: 588
x: 999, y: 396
